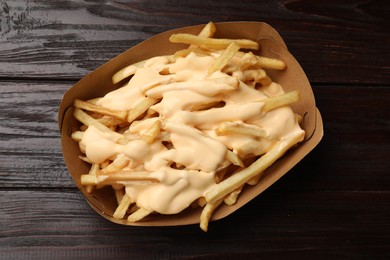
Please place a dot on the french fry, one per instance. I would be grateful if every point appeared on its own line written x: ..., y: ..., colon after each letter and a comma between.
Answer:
x: 185, y: 52
x: 264, y: 62
x: 254, y: 180
x: 208, y: 31
x: 225, y: 57
x: 257, y: 75
x: 99, y: 109
x: 77, y: 135
x: 110, y: 121
x: 207, y: 213
x: 270, y: 63
x: 244, y: 62
x: 152, y: 132
x: 104, y: 164
x: 234, y: 159
x: 228, y: 185
x: 201, y: 202
x: 206, y: 106
x: 116, y: 178
x: 126, y: 72
x: 140, y: 108
x: 212, y: 43
x: 88, y: 120
x: 139, y: 214
x: 118, y: 164
x: 231, y: 199
x: 119, y: 193
x: 92, y: 172
x: 122, y: 207
x: 240, y: 128
x: 281, y: 100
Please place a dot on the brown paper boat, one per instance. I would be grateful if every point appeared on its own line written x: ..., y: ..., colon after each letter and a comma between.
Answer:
x: 98, y: 82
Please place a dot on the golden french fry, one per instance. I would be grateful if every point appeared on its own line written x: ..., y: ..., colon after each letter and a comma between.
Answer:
x: 255, y: 75
x: 185, y: 52
x: 77, y: 135
x: 104, y: 164
x: 119, y: 193
x: 281, y: 100
x: 259, y: 166
x: 240, y: 128
x: 254, y: 180
x: 212, y: 43
x: 118, y: 164
x: 116, y: 178
x: 208, y: 31
x: 220, y: 174
x: 122, y: 207
x: 152, y: 132
x: 234, y: 159
x: 201, y: 202
x: 207, y: 212
x: 126, y: 71
x: 263, y: 62
x: 139, y: 214
x: 224, y: 58
x: 206, y: 106
x: 88, y: 120
x: 270, y: 63
x: 110, y: 121
x: 241, y: 62
x: 140, y: 108
x: 182, y: 53
x: 231, y: 199
x: 92, y: 172
x: 99, y: 109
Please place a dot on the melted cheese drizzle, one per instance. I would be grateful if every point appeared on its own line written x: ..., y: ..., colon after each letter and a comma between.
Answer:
x: 192, y: 133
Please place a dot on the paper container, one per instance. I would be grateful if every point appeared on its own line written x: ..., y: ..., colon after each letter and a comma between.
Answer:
x: 98, y: 83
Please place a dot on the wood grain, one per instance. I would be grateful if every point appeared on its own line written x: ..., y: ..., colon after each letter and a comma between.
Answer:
x: 274, y: 224
x: 333, y: 205
x: 343, y: 42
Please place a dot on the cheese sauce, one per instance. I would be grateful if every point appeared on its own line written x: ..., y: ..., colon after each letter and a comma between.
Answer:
x: 186, y: 168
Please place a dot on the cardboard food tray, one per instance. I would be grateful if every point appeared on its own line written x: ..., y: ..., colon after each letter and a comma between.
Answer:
x: 98, y: 82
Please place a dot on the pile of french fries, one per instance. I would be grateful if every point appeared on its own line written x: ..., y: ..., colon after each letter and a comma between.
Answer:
x: 234, y: 174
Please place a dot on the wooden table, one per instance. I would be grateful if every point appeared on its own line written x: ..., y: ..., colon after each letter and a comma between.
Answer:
x: 334, y: 204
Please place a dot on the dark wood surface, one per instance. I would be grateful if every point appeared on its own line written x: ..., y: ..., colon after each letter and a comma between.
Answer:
x: 335, y: 204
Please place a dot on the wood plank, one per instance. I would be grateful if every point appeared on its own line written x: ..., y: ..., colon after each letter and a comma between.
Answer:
x: 353, y: 154
x: 47, y: 223
x: 336, y: 42
x: 30, y: 145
